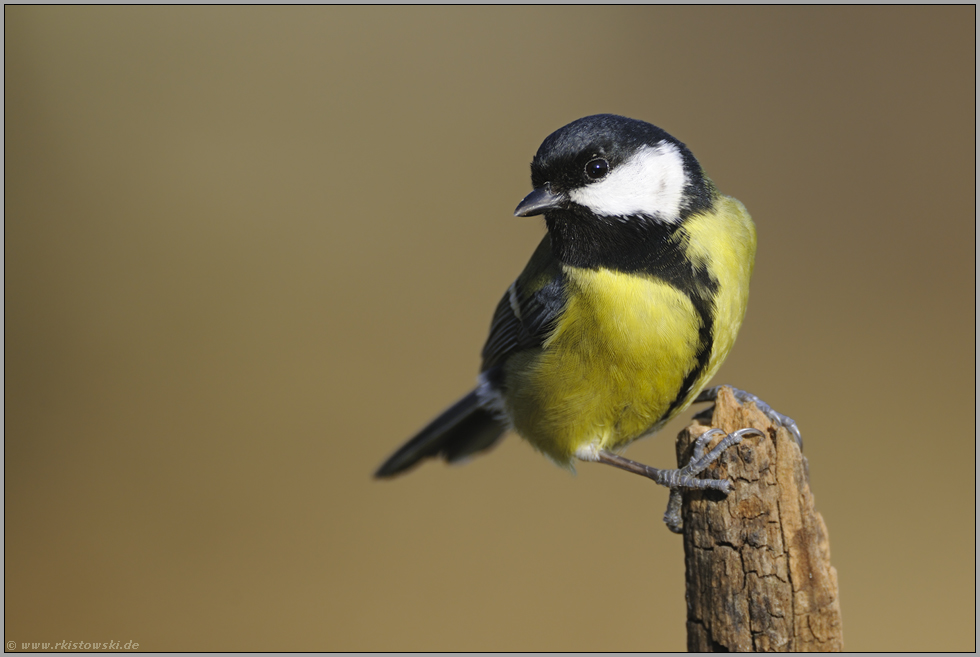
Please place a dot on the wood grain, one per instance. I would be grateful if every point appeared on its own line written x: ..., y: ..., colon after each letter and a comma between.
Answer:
x: 757, y: 561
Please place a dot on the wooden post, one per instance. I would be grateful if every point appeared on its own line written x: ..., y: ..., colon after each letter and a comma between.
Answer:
x: 757, y: 561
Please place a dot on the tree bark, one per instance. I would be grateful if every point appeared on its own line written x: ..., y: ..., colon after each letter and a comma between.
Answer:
x: 757, y: 561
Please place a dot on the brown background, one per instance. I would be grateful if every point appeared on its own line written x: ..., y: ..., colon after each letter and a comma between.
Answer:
x: 250, y: 251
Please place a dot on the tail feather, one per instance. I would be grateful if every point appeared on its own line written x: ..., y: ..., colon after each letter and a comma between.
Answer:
x: 465, y: 428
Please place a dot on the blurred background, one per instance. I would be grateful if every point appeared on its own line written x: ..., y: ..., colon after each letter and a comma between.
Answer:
x: 248, y: 252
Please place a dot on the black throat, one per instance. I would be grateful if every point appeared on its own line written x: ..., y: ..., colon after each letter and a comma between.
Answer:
x: 632, y: 245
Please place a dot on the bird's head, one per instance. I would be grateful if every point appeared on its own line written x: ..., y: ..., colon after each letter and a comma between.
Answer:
x: 611, y: 167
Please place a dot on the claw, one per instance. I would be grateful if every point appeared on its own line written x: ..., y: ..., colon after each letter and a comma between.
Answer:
x: 699, y: 461
x: 684, y: 478
x: 711, y: 394
x: 672, y: 516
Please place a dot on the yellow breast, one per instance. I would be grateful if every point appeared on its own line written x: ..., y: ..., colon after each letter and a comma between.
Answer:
x: 610, y: 370
x: 625, y: 343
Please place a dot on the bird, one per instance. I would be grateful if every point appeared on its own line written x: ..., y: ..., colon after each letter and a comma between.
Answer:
x: 625, y: 311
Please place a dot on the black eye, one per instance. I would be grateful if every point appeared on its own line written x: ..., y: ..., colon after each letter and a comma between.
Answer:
x: 597, y: 169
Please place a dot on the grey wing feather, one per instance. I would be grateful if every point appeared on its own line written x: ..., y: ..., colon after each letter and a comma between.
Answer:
x: 522, y: 321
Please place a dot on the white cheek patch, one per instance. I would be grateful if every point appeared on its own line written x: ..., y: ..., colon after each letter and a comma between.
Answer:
x: 651, y: 182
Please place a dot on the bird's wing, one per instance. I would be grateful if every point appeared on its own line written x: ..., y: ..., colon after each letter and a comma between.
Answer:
x: 527, y: 313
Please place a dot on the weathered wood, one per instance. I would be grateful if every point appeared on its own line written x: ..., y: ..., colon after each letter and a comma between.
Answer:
x: 757, y: 561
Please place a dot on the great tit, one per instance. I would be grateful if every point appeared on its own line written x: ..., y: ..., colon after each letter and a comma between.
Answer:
x: 627, y: 308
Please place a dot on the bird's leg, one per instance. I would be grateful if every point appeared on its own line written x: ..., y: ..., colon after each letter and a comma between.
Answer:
x: 711, y: 394
x: 683, y: 478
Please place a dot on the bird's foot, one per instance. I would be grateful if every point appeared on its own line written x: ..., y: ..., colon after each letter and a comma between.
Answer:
x: 699, y: 461
x: 711, y: 394
x: 685, y: 478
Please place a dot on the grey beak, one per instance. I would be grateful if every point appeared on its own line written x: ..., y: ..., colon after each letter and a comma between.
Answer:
x: 539, y: 201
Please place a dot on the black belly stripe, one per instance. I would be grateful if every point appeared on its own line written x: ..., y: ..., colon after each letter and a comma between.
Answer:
x: 706, y: 340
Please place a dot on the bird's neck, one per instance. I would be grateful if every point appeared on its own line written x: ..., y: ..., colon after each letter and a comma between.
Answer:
x: 628, y: 244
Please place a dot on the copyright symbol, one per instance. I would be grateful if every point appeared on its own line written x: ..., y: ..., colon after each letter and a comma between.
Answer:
x: 11, y: 645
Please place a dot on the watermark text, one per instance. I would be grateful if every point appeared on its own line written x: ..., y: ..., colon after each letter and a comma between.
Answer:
x: 71, y: 645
